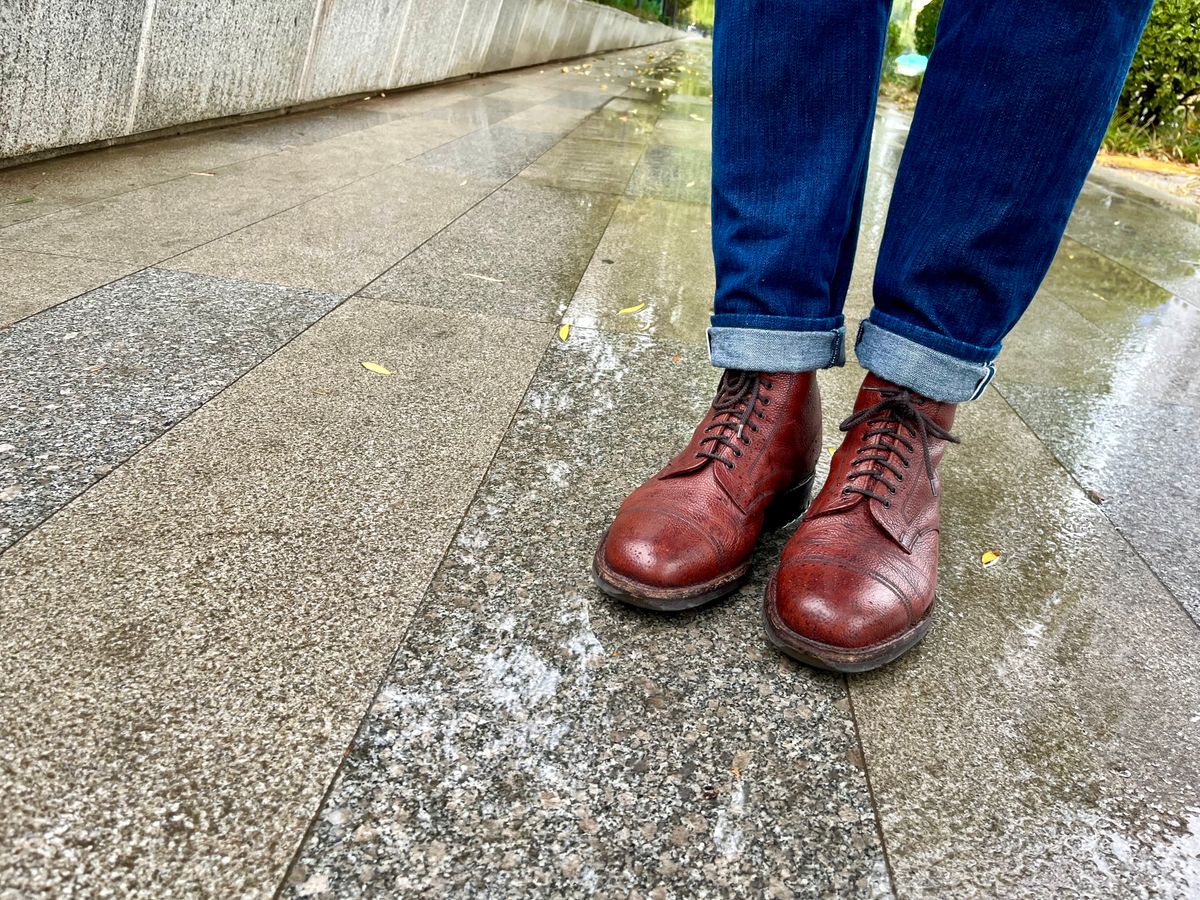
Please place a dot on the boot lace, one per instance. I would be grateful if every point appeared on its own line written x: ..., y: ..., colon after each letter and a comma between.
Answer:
x: 739, y: 401
x: 885, y: 444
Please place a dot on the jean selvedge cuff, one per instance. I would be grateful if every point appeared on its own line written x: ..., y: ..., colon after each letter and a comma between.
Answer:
x: 936, y: 375
x: 773, y: 350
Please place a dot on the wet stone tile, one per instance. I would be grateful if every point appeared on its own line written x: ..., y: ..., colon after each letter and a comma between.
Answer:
x: 652, y: 273
x: 153, y: 223
x: 673, y: 173
x: 684, y: 134
x: 1041, y: 741
x: 582, y: 99
x: 341, y: 241
x: 1097, y: 326
x: 187, y: 648
x: 616, y: 126
x: 31, y: 282
x: 1138, y: 457
x: 87, y: 384
x: 549, y: 119
x: 520, y: 252
x: 587, y: 165
x: 1160, y: 245
x: 47, y: 186
x: 533, y: 737
x: 495, y: 152
x: 478, y: 112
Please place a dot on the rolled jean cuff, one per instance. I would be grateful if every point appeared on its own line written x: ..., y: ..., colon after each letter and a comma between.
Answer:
x: 774, y: 350
x: 932, y: 373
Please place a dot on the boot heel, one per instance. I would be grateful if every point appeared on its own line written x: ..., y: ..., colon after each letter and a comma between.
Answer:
x: 789, y: 506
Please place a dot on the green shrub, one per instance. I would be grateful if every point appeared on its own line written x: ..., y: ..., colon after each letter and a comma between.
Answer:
x: 892, y: 48
x: 1163, y: 86
x: 926, y: 29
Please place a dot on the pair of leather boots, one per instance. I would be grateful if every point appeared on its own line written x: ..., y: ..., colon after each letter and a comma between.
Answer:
x: 855, y: 586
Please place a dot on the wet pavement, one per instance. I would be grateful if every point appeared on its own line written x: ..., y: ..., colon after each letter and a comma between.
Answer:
x: 273, y: 623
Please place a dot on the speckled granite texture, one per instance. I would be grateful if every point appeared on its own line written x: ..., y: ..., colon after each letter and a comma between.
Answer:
x: 186, y: 649
x: 89, y: 383
x: 534, y: 737
x: 332, y: 634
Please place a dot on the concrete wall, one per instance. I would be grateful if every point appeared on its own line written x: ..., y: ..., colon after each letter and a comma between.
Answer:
x: 78, y: 71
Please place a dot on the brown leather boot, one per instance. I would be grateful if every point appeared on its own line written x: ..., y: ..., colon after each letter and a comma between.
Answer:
x: 855, y: 585
x: 685, y: 537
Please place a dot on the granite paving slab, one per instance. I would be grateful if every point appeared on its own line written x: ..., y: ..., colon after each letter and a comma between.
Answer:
x: 685, y: 134
x: 1097, y: 326
x: 87, y: 384
x: 582, y: 98
x: 616, y: 125
x: 1041, y: 741
x: 492, y: 152
x: 587, y: 165
x: 185, y: 650
x: 153, y: 223
x: 652, y: 273
x: 1159, y: 245
x: 31, y: 282
x: 533, y: 738
x: 673, y: 173
x: 340, y: 241
x: 549, y: 119
x: 1138, y: 458
x: 478, y: 112
x: 520, y: 252
x: 39, y: 188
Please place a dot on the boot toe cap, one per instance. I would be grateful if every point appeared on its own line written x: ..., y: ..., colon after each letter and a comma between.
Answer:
x: 660, y: 552
x: 837, y: 605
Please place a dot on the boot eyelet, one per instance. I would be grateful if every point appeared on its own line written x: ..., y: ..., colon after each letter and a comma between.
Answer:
x: 887, y: 504
x: 891, y: 490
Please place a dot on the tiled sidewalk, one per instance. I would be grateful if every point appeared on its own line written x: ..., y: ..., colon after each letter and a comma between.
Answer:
x: 273, y: 623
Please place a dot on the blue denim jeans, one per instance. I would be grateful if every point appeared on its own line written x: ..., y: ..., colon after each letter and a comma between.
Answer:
x: 1013, y: 107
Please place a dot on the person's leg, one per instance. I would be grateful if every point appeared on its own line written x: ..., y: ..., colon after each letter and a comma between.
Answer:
x: 794, y: 94
x: 1013, y: 108
x: 794, y: 90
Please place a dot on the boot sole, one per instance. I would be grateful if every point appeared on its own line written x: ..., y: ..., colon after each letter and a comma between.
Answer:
x: 785, y: 509
x: 839, y: 659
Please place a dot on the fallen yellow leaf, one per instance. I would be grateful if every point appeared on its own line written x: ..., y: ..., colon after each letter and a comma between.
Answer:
x: 564, y: 332
x: 376, y: 368
x: 990, y: 558
x: 629, y: 310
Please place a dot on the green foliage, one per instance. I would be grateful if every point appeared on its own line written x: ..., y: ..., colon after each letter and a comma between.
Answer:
x: 893, y: 48
x: 701, y: 12
x: 926, y: 29
x: 1177, y: 144
x: 1163, y: 86
x: 646, y: 9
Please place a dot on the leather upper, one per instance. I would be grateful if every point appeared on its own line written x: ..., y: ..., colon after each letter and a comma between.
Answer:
x: 862, y: 569
x: 700, y: 516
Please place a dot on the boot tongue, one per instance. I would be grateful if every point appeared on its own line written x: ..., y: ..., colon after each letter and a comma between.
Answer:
x: 892, y: 518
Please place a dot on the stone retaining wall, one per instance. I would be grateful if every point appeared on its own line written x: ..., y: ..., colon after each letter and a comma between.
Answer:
x: 74, y: 72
